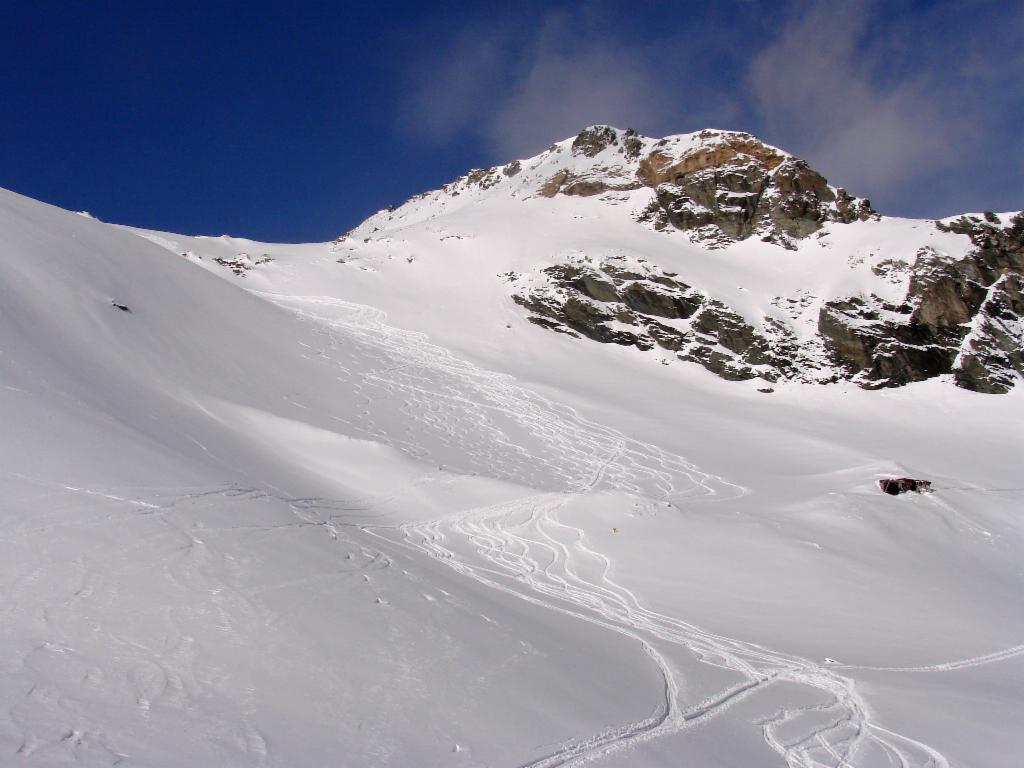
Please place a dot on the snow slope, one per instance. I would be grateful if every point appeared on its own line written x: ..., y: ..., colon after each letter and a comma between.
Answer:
x: 340, y: 504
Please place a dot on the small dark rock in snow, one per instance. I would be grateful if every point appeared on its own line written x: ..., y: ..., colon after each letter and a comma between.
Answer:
x: 894, y: 486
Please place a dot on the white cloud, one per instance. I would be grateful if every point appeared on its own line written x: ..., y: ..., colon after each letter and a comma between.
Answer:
x: 816, y: 86
x: 571, y: 82
x: 448, y: 92
x: 519, y: 92
x: 914, y: 108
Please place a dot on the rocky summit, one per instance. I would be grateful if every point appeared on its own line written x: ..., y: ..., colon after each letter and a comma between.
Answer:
x: 717, y: 186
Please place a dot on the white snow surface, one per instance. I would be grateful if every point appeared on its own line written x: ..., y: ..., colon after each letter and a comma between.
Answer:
x: 348, y: 508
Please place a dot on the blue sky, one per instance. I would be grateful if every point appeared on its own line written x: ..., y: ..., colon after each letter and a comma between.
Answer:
x: 292, y: 122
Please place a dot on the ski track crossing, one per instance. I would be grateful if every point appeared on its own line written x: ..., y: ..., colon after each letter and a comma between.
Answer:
x: 522, y: 548
x: 483, y: 418
x: 473, y: 421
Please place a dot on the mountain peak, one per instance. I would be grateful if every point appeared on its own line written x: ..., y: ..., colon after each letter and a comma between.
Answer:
x: 717, y: 186
x: 594, y: 139
x: 615, y: 234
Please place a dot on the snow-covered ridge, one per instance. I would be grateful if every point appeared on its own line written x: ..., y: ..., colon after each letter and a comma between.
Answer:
x: 718, y: 186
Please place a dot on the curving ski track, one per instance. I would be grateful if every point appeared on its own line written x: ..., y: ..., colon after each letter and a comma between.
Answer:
x: 523, y: 549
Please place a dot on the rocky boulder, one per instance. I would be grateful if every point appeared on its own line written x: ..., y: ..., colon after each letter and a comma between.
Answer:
x: 894, y: 486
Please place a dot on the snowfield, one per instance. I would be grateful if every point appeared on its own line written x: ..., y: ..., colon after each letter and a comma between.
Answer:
x: 340, y: 504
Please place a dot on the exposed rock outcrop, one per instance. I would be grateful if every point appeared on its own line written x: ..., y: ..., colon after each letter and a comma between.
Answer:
x: 732, y: 193
x: 720, y: 186
x: 592, y: 141
x: 962, y: 317
x: 646, y: 308
x: 894, y: 486
x: 243, y: 262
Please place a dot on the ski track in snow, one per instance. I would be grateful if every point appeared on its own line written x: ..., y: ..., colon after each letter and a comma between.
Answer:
x: 163, y: 669
x: 484, y: 414
x: 948, y: 666
x: 521, y: 547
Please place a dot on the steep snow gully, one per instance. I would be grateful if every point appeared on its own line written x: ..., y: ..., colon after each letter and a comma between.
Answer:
x: 521, y: 548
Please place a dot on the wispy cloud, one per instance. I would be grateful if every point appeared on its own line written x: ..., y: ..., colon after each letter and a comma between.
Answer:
x: 818, y: 86
x: 572, y: 79
x: 517, y: 92
x: 450, y: 94
x: 914, y: 108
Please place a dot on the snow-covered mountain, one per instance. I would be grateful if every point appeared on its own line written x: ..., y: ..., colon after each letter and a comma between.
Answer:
x: 879, y: 301
x: 388, y: 501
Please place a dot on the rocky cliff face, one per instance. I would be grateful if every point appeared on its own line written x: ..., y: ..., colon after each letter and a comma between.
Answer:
x: 642, y: 306
x: 736, y: 187
x: 720, y: 186
x: 963, y: 317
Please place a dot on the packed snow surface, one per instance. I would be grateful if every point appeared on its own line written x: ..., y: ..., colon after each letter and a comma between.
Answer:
x: 339, y: 504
